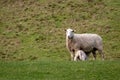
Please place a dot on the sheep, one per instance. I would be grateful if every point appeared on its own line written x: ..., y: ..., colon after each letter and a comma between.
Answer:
x: 87, y: 42
x: 80, y: 55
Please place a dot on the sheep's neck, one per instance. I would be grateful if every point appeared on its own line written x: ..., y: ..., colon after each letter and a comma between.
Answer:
x: 70, y: 44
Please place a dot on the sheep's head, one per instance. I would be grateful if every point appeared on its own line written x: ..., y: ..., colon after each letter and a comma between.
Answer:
x: 70, y: 33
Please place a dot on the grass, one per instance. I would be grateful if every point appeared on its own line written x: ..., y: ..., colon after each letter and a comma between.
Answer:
x: 32, y: 39
x: 60, y: 70
x: 35, y: 29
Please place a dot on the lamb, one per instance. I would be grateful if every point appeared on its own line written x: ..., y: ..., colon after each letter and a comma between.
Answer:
x: 86, y: 42
x: 80, y: 55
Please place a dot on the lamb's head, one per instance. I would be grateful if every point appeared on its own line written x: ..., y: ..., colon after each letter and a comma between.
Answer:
x: 70, y: 33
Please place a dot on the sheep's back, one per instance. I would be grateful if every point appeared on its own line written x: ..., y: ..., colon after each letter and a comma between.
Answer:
x: 87, y: 41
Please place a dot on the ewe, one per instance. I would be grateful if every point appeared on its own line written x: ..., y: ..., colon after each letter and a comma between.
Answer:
x: 85, y: 42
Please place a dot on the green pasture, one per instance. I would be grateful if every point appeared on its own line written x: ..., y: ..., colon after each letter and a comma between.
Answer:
x: 60, y: 70
x: 32, y: 39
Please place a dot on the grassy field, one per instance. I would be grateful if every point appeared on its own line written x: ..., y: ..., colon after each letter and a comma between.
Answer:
x: 31, y: 30
x: 32, y: 39
x: 60, y: 70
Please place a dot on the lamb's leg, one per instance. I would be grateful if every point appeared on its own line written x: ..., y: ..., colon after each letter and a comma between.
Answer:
x: 75, y: 58
x: 84, y: 57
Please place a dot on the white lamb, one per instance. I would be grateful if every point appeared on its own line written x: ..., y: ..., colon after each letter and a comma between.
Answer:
x: 80, y: 55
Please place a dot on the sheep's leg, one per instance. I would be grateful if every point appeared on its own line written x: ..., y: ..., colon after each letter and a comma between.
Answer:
x: 87, y: 54
x: 101, y: 53
x: 94, y: 55
x: 72, y: 55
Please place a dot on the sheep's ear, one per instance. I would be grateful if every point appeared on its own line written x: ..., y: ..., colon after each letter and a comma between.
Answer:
x: 73, y: 31
x: 65, y: 30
